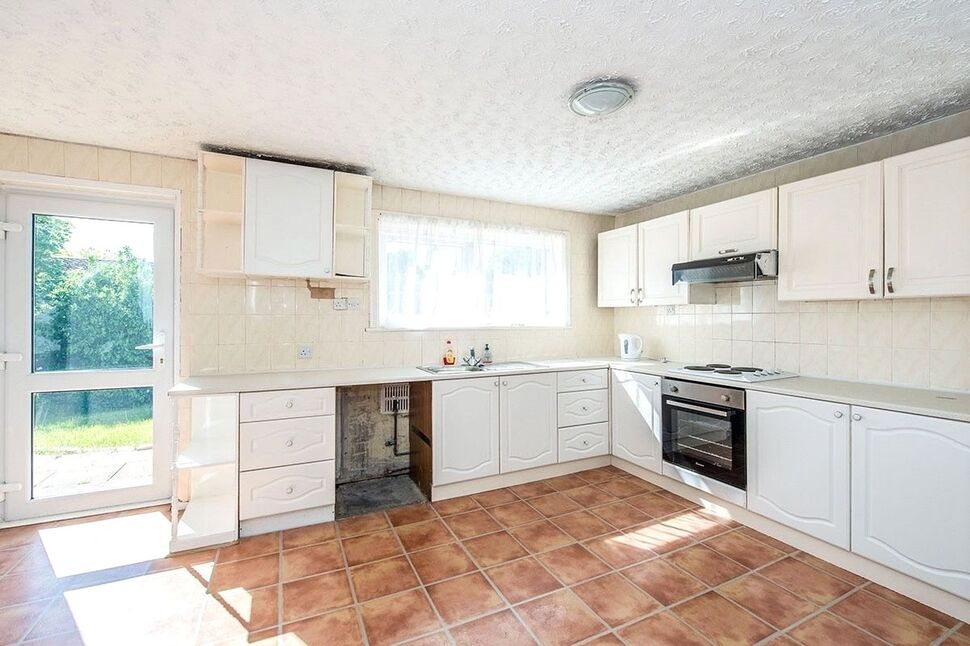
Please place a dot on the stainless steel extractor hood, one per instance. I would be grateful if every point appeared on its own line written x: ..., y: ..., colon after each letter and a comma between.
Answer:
x: 761, y: 265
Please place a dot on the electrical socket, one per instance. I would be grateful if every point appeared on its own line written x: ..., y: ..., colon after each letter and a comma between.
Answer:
x: 671, y: 310
x: 340, y: 303
x: 353, y: 304
x: 304, y: 352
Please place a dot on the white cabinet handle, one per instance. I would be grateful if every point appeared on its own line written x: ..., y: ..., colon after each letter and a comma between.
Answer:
x: 838, y: 414
x: 505, y: 383
x: 856, y: 416
x: 289, y: 403
x: 724, y: 251
x: 583, y: 380
x: 583, y: 408
x: 289, y: 442
x: 289, y: 490
x: 496, y: 382
x: 585, y: 442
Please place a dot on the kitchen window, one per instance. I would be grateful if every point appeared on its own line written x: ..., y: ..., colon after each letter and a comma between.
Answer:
x: 436, y: 272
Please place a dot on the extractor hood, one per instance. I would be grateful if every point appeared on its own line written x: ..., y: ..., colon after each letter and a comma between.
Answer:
x: 761, y: 265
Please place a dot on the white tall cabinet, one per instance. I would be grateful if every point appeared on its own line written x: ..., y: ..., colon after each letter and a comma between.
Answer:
x: 911, y: 495
x: 636, y: 419
x: 798, y: 463
x: 529, y: 435
x: 740, y: 225
x: 465, y: 416
x: 617, y: 274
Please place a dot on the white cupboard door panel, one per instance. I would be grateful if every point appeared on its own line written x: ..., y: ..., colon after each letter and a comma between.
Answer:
x: 798, y: 464
x: 288, y: 220
x: 663, y: 242
x: 276, y: 491
x: 284, y: 404
x: 616, y: 272
x: 465, y: 422
x: 740, y: 225
x: 830, y: 240
x: 928, y: 221
x: 578, y: 442
x: 289, y: 441
x: 527, y: 419
x: 575, y: 380
x: 587, y: 407
x: 636, y: 419
x: 911, y: 495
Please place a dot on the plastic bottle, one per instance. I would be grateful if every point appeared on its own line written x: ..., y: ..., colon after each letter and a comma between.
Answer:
x: 449, y: 357
x: 487, y: 355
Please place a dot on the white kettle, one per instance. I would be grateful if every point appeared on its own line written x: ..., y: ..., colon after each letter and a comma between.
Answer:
x: 631, y: 345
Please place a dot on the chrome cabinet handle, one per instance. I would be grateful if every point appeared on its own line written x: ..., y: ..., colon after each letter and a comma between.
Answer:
x: 889, y: 280
x: 724, y: 251
x: 633, y: 296
x: 639, y: 294
x: 856, y: 417
x: 838, y: 414
x: 872, y: 278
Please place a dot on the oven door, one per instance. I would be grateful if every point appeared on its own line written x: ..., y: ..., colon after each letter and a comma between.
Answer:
x: 706, y: 439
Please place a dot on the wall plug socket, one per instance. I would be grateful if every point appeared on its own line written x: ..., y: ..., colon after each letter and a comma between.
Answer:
x: 304, y: 352
x: 353, y: 304
x: 340, y: 303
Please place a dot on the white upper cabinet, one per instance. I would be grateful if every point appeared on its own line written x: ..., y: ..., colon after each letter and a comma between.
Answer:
x: 911, y: 495
x: 798, y: 464
x: 663, y: 242
x: 636, y: 419
x: 465, y: 419
x: 928, y: 221
x: 288, y: 220
x: 616, y: 274
x: 529, y: 436
x: 830, y: 236
x: 740, y: 225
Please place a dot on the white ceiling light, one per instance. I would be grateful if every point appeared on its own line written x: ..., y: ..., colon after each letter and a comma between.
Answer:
x: 597, y: 98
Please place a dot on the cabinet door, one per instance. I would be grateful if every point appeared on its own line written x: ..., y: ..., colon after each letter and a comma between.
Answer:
x: 636, y: 419
x: 740, y: 225
x: 616, y: 273
x: 465, y: 428
x: 663, y: 242
x: 288, y: 220
x: 527, y: 419
x: 798, y: 464
x: 830, y: 236
x: 911, y: 495
x: 928, y: 221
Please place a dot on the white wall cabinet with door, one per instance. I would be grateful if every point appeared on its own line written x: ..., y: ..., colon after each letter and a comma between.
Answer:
x: 465, y: 419
x: 911, y: 495
x: 740, y: 225
x: 528, y: 435
x: 798, y: 464
x: 617, y: 271
x: 636, y: 419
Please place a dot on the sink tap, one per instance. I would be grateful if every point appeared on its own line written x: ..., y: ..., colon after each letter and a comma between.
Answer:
x: 471, y: 360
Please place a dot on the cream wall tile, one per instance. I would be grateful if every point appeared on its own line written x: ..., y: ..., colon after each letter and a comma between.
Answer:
x: 232, y: 359
x: 81, y: 161
x: 843, y: 328
x: 114, y: 165
x: 45, y: 156
x: 232, y: 330
x: 146, y: 170
x: 13, y: 153
x: 722, y: 326
x: 232, y: 299
x: 411, y: 201
x: 811, y: 327
x: 204, y: 359
x: 786, y: 327
x: 843, y: 362
x: 950, y: 330
x: 875, y: 364
x: 742, y: 353
x: 949, y: 370
x: 762, y: 355
x: 257, y: 357
x: 786, y: 356
x: 259, y: 299
x: 741, y: 327
x: 911, y: 329
x: 911, y: 367
x: 763, y: 327
x: 764, y: 298
x: 282, y: 356
x: 812, y: 359
x: 875, y: 329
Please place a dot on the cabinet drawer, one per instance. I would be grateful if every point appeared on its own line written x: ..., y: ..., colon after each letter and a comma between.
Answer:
x: 587, y: 407
x: 277, y: 443
x: 284, y: 404
x: 582, y: 380
x: 277, y: 491
x: 589, y: 440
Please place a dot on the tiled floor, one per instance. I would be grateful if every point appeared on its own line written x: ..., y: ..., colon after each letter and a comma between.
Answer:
x: 594, y: 558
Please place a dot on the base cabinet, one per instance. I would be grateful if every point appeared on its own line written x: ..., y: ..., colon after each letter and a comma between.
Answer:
x: 466, y: 429
x: 636, y: 419
x: 529, y: 436
x: 798, y: 464
x: 911, y: 495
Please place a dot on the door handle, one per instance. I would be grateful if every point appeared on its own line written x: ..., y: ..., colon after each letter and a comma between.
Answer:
x: 889, y: 280
x: 872, y: 278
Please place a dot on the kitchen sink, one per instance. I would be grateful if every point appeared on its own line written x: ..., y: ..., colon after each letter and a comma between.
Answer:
x: 492, y: 367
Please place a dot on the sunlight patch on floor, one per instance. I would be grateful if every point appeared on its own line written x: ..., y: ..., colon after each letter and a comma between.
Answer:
x: 105, y: 544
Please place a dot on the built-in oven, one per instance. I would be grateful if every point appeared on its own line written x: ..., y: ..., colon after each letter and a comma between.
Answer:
x: 703, y: 430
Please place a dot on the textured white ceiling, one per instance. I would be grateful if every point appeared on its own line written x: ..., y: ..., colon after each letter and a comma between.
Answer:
x: 469, y: 97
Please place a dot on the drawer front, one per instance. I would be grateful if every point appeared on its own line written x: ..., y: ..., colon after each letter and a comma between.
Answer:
x: 587, y: 441
x: 277, y: 443
x: 575, y: 380
x: 285, y: 404
x: 277, y: 491
x: 587, y: 407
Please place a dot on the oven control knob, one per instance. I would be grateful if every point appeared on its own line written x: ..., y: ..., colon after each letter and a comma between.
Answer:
x: 725, y: 398
x: 674, y: 389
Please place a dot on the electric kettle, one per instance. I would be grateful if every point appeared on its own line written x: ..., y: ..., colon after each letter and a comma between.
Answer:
x: 631, y: 345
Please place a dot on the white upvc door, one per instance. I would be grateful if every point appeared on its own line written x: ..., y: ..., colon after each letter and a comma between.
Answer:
x: 88, y: 302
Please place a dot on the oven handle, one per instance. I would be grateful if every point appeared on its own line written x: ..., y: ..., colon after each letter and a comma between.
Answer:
x: 699, y: 409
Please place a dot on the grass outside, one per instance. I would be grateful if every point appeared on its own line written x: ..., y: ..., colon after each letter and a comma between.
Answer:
x: 73, y: 436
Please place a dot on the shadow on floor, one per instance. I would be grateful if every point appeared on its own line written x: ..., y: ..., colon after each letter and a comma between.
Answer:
x: 366, y: 496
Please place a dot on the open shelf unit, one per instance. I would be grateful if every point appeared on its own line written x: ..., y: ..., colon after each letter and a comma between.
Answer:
x: 222, y: 181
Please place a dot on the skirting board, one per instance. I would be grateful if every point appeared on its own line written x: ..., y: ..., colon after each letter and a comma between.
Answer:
x: 901, y: 583
x: 289, y: 520
x: 457, y: 489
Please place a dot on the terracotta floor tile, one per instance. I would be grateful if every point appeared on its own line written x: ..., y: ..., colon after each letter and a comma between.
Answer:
x: 437, y: 639
x: 531, y: 490
x: 183, y: 560
x: 370, y: 547
x: 914, y: 606
x: 620, y: 515
x: 465, y: 597
x: 663, y: 581
x: 829, y: 568
x: 338, y: 628
x: 514, y: 513
x: 236, y: 613
x: 15, y: 621
x: 396, y: 618
x: 69, y: 639
x: 11, y: 557
x: 655, y: 505
x: 680, y: 500
x: 956, y: 639
x: 827, y: 629
x: 541, y: 537
x: 473, y: 523
x: 357, y: 525
x: 663, y: 629
x: 560, y: 618
x: 495, y: 497
x: 381, y: 578
x: 590, y: 496
x: 768, y: 540
x: 554, y: 505
x: 454, y: 506
x: 721, y: 620
x: 805, y: 581
x: 573, y: 563
x: 523, y: 579
x: 248, y: 574
x: 767, y: 601
x: 567, y: 482
x: 595, y: 476
x: 582, y: 525
x: 419, y: 536
x: 887, y: 621
x: 19, y: 536
x: 698, y: 525
x: 707, y: 565
x: 315, y: 595
x: 441, y: 563
x: 312, y: 559
x: 609, y: 639
x: 619, y: 550
x: 615, y: 600
x: 743, y: 549
x: 625, y: 487
x: 248, y: 548
x: 411, y: 514
x: 493, y: 549
x: 56, y: 620
x: 660, y: 536
x: 783, y: 640
x: 499, y: 629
